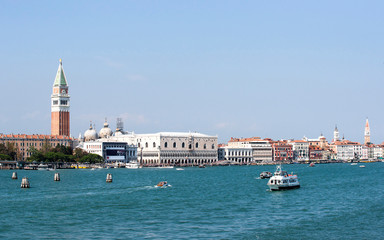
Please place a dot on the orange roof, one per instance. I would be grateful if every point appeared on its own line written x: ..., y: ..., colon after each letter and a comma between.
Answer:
x: 252, y: 139
x: 35, y: 136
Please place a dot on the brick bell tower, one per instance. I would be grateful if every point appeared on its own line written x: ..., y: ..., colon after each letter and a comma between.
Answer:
x: 60, y: 105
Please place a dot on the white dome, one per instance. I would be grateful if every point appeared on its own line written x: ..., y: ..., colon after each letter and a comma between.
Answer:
x: 90, y: 134
x: 105, y: 131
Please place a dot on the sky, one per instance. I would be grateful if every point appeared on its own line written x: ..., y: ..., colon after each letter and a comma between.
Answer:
x: 276, y: 69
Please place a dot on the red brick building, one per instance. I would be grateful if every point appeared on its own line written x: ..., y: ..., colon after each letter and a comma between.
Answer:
x: 24, y: 143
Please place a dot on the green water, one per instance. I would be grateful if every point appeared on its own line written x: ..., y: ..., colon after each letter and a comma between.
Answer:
x: 335, y: 201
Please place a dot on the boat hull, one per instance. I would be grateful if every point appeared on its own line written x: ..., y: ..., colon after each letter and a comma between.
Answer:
x: 280, y: 188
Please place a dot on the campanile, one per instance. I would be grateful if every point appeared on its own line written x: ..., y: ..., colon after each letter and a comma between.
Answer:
x: 60, y: 105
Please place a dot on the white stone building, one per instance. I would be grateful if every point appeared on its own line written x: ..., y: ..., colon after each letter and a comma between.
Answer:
x: 172, y: 148
x: 300, y: 150
x: 247, y: 150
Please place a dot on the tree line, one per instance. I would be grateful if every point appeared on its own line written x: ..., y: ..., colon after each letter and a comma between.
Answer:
x: 58, y: 154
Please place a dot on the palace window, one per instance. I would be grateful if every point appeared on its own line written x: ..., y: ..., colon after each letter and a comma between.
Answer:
x: 183, y: 145
x: 55, y: 102
x: 197, y: 145
x: 154, y: 144
x: 166, y: 144
x: 213, y: 146
x: 205, y: 146
x: 146, y: 145
x: 174, y: 145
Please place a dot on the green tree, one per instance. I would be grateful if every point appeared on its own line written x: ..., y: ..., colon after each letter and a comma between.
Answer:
x: 92, y: 158
x: 78, y: 153
x: 4, y: 157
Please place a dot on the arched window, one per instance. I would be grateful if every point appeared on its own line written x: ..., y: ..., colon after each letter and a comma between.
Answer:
x: 138, y: 145
x: 205, y: 146
x: 183, y: 145
x: 197, y: 145
x: 166, y: 144
x: 190, y: 146
x: 154, y: 144
x: 174, y: 144
x: 213, y: 146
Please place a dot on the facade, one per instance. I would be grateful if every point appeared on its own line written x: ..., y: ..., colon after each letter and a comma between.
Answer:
x: 247, y: 150
x: 282, y: 151
x: 375, y: 152
x: 24, y: 143
x: 60, y: 120
x: 171, y: 148
x: 367, y: 133
x: 112, y: 152
x: 347, y: 151
x: 300, y: 150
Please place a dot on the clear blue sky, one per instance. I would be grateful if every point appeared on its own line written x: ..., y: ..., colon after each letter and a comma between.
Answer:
x: 278, y: 69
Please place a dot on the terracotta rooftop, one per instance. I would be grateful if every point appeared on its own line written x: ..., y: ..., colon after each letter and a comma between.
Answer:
x: 34, y: 136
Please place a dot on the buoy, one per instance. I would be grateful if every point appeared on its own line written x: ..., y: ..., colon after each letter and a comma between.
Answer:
x: 14, y: 175
x: 24, y: 183
x: 109, y: 177
x: 57, y: 177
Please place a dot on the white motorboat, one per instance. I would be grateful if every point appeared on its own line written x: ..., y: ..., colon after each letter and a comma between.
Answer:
x: 353, y: 164
x: 281, y: 180
x: 265, y: 175
x: 180, y: 169
x: 132, y: 165
x: 362, y: 166
x: 42, y: 167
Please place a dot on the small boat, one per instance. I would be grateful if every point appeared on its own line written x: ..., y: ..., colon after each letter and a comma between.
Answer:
x: 281, y: 180
x: 353, y: 164
x: 312, y: 164
x: 42, y: 167
x: 132, y: 165
x: 265, y: 175
x: 180, y: 169
x: 163, y: 184
x: 362, y: 166
x: 201, y: 166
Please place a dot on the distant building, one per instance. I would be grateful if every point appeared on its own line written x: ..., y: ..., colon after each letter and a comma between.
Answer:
x: 112, y: 152
x: 24, y: 143
x: 248, y: 150
x: 367, y: 133
x: 171, y: 148
x: 282, y: 151
x: 300, y: 150
x: 60, y: 120
x: 346, y: 150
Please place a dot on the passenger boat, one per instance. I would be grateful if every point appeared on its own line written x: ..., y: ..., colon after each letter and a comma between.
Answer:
x: 132, y: 165
x: 281, y: 180
x: 265, y: 175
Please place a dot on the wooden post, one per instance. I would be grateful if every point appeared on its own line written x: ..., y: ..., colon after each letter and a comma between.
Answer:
x: 109, y: 178
x: 14, y: 175
x: 24, y: 183
x: 57, y: 177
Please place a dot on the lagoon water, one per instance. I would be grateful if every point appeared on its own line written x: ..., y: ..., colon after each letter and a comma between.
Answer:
x: 335, y: 201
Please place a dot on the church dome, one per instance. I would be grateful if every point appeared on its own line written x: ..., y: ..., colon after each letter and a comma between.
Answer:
x: 90, y: 134
x: 105, y: 131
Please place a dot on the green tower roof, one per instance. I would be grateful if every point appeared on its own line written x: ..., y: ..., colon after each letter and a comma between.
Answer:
x: 60, y: 76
